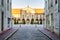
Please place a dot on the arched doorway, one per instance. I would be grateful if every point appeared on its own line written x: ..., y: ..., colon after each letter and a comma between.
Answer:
x: 27, y: 21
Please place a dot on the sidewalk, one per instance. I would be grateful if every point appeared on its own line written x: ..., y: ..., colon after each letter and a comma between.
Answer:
x: 49, y: 34
x: 5, y: 35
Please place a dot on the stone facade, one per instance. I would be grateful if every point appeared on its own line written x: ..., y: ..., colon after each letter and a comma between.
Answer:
x: 5, y: 15
x: 30, y: 16
x: 52, y: 16
x: 29, y: 13
x: 59, y: 13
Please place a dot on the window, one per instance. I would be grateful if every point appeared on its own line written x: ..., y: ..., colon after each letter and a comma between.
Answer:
x: 51, y: 3
x: 23, y: 16
x: 7, y: 1
x: 32, y: 16
x: 7, y: 7
x: 8, y: 22
x: 2, y: 2
x: 45, y: 1
x: 27, y: 19
x: 58, y: 10
x: 55, y: 1
x: 7, y: 4
x: 52, y: 16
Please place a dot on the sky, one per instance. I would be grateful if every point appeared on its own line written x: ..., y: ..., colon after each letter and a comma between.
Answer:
x: 25, y: 3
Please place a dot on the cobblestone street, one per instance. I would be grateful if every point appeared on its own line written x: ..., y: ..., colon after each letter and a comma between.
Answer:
x: 28, y: 33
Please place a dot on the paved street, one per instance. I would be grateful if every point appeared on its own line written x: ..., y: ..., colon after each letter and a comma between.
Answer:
x: 26, y: 32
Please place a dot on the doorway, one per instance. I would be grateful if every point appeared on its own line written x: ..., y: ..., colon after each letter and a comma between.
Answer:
x: 2, y: 20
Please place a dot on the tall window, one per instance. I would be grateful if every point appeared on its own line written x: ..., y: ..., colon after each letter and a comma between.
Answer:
x: 7, y: 1
x: 23, y: 16
x: 8, y: 22
x: 52, y: 17
x: 7, y: 4
x: 2, y: 2
x: 58, y: 10
x: 55, y: 1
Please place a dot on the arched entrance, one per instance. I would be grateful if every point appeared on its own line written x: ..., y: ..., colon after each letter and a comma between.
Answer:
x: 27, y: 21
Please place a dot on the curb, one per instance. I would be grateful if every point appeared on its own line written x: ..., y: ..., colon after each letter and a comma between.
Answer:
x: 11, y: 34
x: 45, y: 35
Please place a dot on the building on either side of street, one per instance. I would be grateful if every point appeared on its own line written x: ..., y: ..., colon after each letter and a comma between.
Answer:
x: 52, y: 16
x: 5, y: 15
